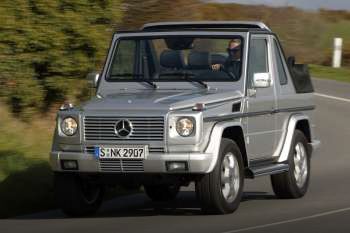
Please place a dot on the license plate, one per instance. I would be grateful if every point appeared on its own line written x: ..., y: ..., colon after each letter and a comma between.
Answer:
x: 121, y: 152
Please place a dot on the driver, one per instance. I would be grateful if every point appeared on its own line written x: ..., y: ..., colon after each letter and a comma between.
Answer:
x: 232, y: 65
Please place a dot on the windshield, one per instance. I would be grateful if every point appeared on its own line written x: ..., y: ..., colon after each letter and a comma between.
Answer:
x: 177, y: 58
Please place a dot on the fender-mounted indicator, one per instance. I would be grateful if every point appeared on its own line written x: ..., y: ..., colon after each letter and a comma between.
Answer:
x: 198, y: 107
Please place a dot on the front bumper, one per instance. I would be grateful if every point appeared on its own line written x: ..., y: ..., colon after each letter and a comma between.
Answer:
x: 154, y: 163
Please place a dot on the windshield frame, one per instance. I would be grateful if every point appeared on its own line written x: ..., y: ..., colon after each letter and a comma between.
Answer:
x: 160, y: 35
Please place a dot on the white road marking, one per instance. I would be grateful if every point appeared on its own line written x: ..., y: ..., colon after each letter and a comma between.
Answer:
x: 332, y: 97
x: 289, y: 221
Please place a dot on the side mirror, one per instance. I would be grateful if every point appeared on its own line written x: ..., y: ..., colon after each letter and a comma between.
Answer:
x: 93, y: 78
x: 262, y: 80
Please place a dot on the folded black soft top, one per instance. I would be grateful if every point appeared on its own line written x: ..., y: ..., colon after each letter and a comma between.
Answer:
x: 300, y: 76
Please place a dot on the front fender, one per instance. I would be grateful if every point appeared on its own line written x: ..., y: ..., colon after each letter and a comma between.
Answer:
x: 215, y: 140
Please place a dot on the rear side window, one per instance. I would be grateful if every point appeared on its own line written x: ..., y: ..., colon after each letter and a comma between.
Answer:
x: 279, y: 63
x: 258, y: 60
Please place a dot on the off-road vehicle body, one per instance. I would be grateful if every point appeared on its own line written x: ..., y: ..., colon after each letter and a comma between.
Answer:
x: 164, y: 117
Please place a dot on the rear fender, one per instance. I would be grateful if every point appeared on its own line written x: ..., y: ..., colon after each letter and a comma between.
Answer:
x: 283, y: 151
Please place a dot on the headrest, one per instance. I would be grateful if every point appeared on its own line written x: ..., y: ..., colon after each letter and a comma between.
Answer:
x: 218, y: 59
x: 172, y: 59
x: 199, y: 60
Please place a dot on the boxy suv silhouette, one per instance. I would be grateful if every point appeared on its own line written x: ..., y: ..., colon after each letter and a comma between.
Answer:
x: 180, y: 102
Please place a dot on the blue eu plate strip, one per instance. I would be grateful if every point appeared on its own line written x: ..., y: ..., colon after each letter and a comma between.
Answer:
x: 97, y: 152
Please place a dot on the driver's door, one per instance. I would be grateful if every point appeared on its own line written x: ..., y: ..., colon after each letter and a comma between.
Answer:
x: 260, y: 102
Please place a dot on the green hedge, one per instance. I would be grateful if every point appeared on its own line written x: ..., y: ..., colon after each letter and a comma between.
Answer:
x: 45, y: 45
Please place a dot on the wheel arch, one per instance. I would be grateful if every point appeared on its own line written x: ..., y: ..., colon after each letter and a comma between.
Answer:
x: 300, y: 122
x: 231, y: 130
x: 304, y: 126
x: 236, y: 134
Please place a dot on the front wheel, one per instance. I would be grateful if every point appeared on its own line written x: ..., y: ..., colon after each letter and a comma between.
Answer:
x: 220, y: 191
x: 295, y: 182
x: 77, y: 196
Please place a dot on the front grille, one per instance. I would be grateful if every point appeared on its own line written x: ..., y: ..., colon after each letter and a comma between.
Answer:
x: 121, y: 165
x: 91, y: 149
x: 143, y: 128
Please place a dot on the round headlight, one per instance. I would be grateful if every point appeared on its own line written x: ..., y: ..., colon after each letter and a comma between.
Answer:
x: 69, y: 126
x: 185, y: 126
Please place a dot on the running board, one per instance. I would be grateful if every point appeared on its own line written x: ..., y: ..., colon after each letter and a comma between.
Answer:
x: 267, y: 169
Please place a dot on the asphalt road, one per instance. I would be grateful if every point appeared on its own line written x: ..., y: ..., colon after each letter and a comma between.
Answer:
x: 325, y: 208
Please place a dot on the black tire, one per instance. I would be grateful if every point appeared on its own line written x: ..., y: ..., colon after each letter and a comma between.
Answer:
x: 162, y: 192
x: 209, y: 186
x: 76, y: 196
x: 285, y: 184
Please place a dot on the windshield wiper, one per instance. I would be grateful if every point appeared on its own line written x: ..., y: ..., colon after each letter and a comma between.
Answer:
x: 187, y: 76
x: 136, y: 75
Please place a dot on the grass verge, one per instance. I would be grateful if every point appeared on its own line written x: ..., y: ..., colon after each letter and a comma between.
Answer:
x: 25, y: 176
x: 26, y: 180
x: 325, y: 72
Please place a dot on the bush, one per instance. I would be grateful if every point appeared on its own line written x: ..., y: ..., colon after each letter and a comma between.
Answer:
x: 46, y: 44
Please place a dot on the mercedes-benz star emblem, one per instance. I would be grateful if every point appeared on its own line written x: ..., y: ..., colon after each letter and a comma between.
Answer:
x: 123, y: 128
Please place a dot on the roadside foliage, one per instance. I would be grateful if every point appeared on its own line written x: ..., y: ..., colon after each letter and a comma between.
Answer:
x: 46, y: 45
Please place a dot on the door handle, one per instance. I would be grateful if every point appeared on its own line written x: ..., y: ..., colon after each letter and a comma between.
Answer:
x: 251, y: 92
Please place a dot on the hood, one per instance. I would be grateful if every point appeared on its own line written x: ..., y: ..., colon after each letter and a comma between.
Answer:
x: 159, y: 99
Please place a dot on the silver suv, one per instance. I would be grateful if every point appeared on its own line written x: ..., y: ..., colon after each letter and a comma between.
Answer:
x: 180, y: 102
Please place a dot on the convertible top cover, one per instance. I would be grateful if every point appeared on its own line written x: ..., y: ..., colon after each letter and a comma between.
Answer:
x: 300, y: 76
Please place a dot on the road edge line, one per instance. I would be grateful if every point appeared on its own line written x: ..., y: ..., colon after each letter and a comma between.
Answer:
x: 289, y: 221
x: 332, y: 97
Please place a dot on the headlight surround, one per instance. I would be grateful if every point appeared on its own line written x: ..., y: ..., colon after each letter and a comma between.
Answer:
x: 69, y: 126
x: 185, y: 126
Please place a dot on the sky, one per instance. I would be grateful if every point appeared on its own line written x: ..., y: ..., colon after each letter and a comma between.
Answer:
x: 304, y: 4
